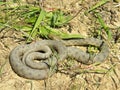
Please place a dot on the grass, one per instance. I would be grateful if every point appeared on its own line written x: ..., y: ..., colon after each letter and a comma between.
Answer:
x: 37, y: 22
x: 103, y: 26
x: 99, y: 4
x: 34, y: 23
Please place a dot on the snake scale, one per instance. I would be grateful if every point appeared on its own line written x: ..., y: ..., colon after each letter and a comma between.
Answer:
x: 32, y: 61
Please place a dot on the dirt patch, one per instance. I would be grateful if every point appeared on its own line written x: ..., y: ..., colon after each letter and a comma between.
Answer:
x: 100, y: 77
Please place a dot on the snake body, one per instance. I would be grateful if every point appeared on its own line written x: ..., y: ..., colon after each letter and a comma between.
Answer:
x: 22, y: 58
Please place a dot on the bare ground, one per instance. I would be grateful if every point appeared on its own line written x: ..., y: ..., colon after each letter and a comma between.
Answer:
x: 107, y: 79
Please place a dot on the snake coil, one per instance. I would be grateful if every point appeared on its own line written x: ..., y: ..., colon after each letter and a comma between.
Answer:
x: 32, y: 61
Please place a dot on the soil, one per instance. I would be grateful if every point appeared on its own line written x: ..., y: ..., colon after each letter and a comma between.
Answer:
x: 104, y: 76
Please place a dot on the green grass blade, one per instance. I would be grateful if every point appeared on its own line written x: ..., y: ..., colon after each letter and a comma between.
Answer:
x: 71, y: 36
x: 31, y: 11
x: 58, y: 18
x: 104, y: 26
x: 37, y: 23
x: 100, y: 3
x: 1, y: 3
x: 46, y: 31
x: 43, y: 32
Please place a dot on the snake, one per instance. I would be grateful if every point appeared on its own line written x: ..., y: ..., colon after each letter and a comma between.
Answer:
x: 33, y: 61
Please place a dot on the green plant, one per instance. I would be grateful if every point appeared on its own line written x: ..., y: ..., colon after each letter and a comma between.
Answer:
x: 36, y: 22
x: 100, y: 3
x: 103, y: 26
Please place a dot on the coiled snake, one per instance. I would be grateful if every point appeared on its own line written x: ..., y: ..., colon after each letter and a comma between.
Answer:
x: 23, y: 57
